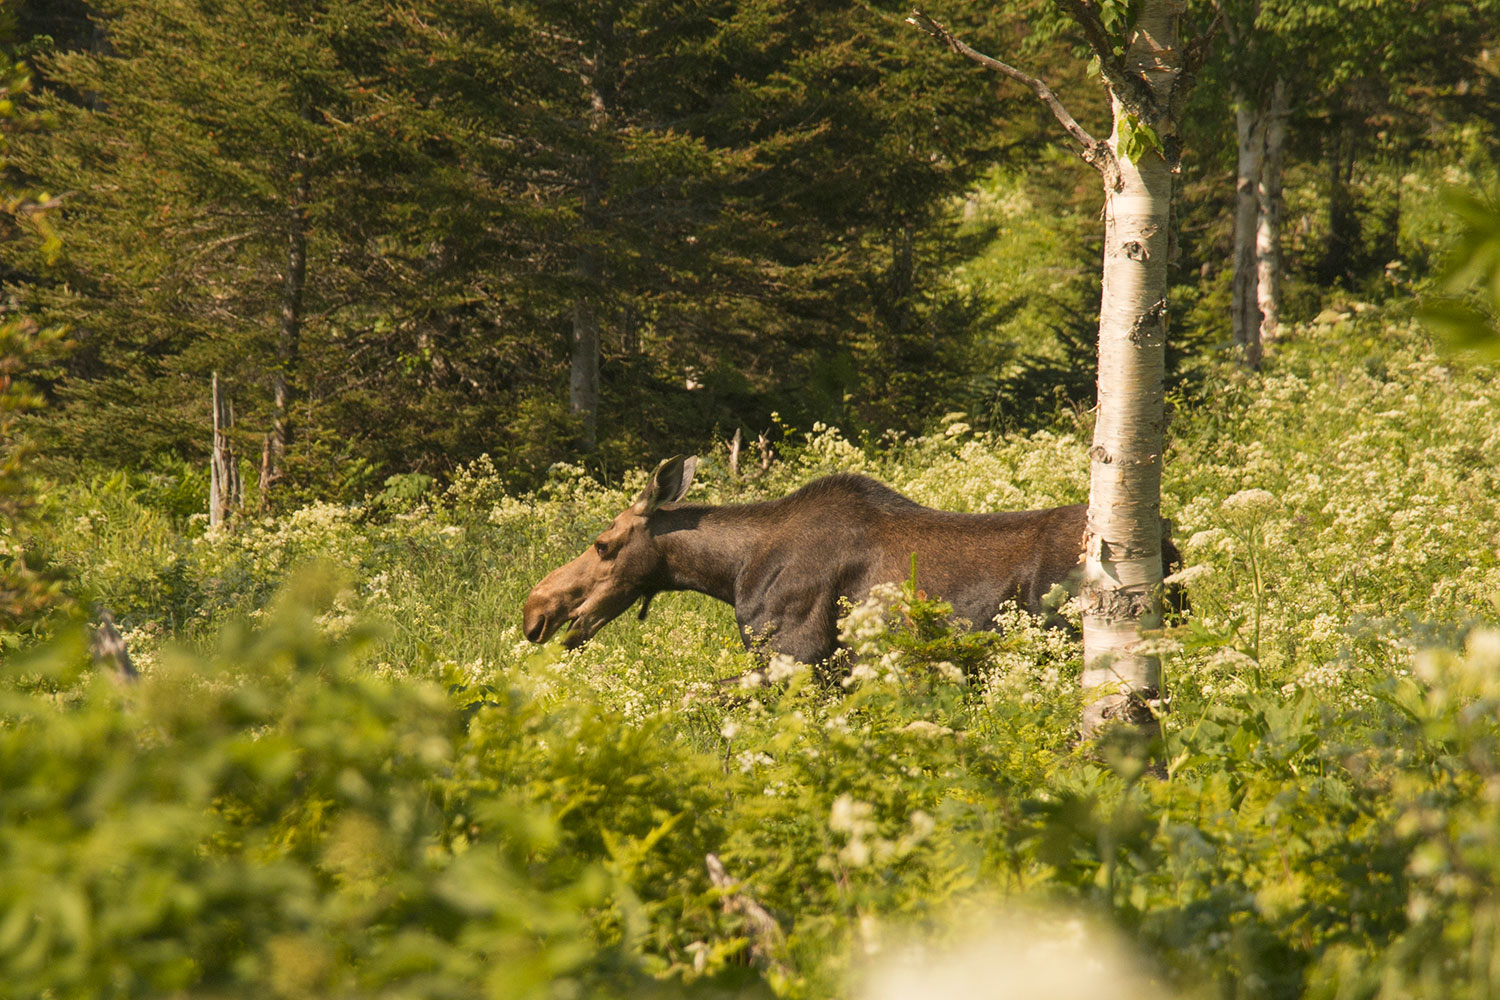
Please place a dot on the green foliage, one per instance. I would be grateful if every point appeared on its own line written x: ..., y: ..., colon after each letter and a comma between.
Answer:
x: 1474, y: 264
x: 296, y: 803
x: 745, y: 202
x: 274, y: 819
x: 361, y: 780
x: 1138, y: 138
x: 29, y: 590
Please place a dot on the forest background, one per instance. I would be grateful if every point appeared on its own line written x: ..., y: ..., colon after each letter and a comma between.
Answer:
x: 407, y: 236
x: 465, y: 270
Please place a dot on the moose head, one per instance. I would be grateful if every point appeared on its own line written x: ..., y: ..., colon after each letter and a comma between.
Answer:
x: 623, y: 564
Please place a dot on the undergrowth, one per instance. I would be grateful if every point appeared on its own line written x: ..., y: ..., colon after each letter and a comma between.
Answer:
x: 345, y: 773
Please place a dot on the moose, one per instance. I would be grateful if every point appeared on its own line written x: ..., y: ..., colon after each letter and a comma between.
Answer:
x: 785, y: 564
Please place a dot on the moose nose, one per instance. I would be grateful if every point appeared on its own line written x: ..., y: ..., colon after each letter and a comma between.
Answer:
x: 536, y: 629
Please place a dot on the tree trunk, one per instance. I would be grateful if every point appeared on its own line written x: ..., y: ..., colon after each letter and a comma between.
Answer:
x: 1122, y: 572
x: 1121, y: 591
x: 225, y: 492
x: 1250, y: 138
x: 583, y: 371
x: 289, y: 338
x: 1343, y: 223
x: 1268, y: 228
x: 215, y: 476
x: 583, y: 384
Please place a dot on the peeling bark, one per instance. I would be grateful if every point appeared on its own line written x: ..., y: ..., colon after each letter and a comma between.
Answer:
x: 1269, y: 206
x: 1121, y: 591
x: 1250, y: 138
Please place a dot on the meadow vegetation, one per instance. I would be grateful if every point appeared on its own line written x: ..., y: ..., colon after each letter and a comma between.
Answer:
x: 345, y: 773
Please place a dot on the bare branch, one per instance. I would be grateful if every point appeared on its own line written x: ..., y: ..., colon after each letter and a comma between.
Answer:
x: 1131, y: 88
x: 764, y: 933
x: 1094, y: 152
x: 108, y: 648
x: 1196, y: 53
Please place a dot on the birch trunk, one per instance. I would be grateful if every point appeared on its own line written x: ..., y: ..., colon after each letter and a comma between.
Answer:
x: 1268, y: 227
x: 1122, y: 572
x: 1250, y: 138
x: 1121, y: 591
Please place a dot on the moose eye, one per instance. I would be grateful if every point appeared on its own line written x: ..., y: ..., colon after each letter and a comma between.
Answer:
x: 604, y: 548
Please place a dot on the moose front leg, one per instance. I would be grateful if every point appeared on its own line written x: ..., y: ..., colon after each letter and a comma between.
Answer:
x: 806, y: 635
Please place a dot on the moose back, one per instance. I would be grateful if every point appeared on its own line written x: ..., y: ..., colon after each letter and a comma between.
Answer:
x: 784, y: 564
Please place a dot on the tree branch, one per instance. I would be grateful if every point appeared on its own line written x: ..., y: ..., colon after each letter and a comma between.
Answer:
x: 1129, y: 87
x: 1196, y: 53
x: 764, y: 933
x: 1193, y: 57
x: 1095, y: 153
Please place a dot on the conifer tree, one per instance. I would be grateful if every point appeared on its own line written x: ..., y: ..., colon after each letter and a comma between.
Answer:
x: 29, y: 591
x: 392, y: 226
x: 232, y: 196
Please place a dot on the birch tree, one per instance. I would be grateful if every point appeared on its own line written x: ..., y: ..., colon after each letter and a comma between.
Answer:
x: 1146, y: 74
x: 1343, y: 66
x: 1258, y: 91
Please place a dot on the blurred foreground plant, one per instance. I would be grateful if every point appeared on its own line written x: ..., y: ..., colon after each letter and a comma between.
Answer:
x: 1471, y: 324
x: 28, y: 591
x: 275, y: 819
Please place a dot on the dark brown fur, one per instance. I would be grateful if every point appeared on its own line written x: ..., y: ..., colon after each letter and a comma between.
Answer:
x: 784, y: 564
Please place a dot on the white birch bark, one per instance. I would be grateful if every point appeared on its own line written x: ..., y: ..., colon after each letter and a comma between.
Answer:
x: 1269, y: 210
x: 1250, y: 141
x: 1121, y: 591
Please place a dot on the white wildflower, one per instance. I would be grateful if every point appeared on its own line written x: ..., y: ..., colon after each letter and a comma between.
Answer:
x: 850, y: 816
x: 1189, y: 573
x: 931, y: 730
x: 1250, y: 503
x: 749, y: 760
x: 949, y: 672
x: 1483, y: 651
x: 783, y: 668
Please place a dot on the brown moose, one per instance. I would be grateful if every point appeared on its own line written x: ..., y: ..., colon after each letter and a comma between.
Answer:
x: 784, y: 564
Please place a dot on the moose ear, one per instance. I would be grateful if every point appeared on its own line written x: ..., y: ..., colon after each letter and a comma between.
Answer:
x: 669, y: 483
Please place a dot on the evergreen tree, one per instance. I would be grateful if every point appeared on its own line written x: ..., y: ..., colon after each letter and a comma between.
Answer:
x: 239, y: 199
x: 404, y: 236
x: 29, y: 591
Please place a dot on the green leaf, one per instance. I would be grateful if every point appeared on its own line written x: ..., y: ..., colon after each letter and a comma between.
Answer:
x: 1137, y: 139
x: 1463, y: 327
